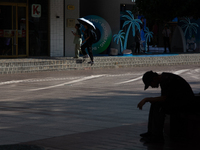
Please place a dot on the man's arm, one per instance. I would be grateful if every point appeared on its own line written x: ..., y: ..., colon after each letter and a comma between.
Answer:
x: 86, y: 39
x: 89, y: 34
x: 151, y: 100
x: 76, y: 34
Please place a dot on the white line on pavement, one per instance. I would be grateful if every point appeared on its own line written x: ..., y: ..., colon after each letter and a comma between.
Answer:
x: 14, y: 81
x: 176, y: 72
x: 85, y: 78
x: 181, y: 71
x: 70, y: 82
x: 130, y: 80
x: 55, y: 79
x: 35, y: 80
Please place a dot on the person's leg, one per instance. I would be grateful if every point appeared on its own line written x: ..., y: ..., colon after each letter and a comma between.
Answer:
x: 77, y: 50
x: 168, y: 42
x: 89, y: 48
x: 137, y: 47
x: 156, y: 120
x: 83, y: 47
x: 156, y: 40
x: 165, y: 44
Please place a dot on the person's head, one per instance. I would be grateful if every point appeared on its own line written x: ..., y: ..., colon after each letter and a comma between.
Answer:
x: 77, y: 26
x: 150, y: 78
x: 85, y: 26
x: 142, y: 19
x: 166, y: 26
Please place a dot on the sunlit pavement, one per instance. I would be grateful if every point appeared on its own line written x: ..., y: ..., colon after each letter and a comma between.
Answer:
x: 81, y: 109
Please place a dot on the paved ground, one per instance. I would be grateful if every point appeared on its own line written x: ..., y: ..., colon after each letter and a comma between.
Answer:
x: 81, y: 109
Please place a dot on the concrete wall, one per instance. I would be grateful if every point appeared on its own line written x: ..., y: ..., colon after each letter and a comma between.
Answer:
x: 107, y: 9
x: 69, y: 37
x: 56, y: 28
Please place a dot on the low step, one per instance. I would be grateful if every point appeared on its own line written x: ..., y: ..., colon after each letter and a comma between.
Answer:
x: 10, y: 66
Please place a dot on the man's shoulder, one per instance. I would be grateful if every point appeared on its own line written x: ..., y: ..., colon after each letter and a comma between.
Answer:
x: 169, y: 76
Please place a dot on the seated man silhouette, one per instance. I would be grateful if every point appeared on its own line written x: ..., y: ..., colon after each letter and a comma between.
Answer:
x: 176, y: 96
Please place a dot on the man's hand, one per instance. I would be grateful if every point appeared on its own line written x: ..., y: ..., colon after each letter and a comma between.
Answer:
x: 141, y: 103
x: 151, y: 100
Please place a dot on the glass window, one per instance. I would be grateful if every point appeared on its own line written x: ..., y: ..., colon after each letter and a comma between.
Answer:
x: 38, y: 28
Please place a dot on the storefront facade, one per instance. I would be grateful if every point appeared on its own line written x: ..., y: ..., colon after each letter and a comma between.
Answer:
x: 31, y: 28
x: 23, y: 28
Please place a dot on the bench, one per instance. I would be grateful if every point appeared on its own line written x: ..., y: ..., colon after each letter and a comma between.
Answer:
x: 184, y: 124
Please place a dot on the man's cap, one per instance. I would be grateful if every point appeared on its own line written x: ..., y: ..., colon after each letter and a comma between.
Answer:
x: 147, y: 78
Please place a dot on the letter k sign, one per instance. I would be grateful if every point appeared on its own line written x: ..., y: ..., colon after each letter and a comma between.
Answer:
x: 36, y: 10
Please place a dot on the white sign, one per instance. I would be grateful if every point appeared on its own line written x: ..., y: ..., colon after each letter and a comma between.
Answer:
x: 36, y: 10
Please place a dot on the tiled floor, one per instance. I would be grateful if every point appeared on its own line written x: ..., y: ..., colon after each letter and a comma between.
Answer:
x: 97, y: 113
x: 117, y: 138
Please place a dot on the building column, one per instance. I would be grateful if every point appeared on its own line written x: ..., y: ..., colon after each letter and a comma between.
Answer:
x: 71, y: 15
x: 56, y: 28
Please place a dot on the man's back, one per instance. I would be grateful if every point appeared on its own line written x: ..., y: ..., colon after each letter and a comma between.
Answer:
x: 88, y: 34
x: 175, y: 87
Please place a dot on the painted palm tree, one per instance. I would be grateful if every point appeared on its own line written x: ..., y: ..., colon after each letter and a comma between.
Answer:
x: 148, y: 35
x: 189, y: 26
x: 118, y: 37
x: 132, y: 24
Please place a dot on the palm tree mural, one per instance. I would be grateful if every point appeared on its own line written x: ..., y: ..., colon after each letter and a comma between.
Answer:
x: 191, y: 43
x: 132, y: 23
x: 189, y: 26
x: 148, y: 35
x: 118, y: 37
